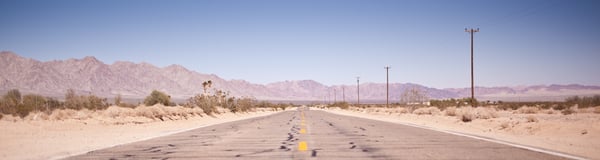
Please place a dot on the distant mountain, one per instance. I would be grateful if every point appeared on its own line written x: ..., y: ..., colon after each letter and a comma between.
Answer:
x: 137, y: 80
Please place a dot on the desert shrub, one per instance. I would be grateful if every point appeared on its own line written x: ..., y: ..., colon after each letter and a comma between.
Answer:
x: 485, y: 113
x: 583, y: 102
x: 206, y: 103
x: 342, y: 105
x: 71, y: 100
x: 10, y: 101
x: 427, y: 111
x: 560, y: 106
x: 62, y: 114
x: 467, y: 114
x: 568, y: 111
x: 597, y: 109
x: 442, y: 104
x: 151, y: 112
x: 157, y: 97
x: 531, y: 118
x: 244, y: 105
x: 30, y: 103
x: 546, y: 105
x: 53, y: 104
x: 91, y: 102
x: 509, y: 106
x: 117, y: 112
x: 450, y: 111
x: 504, y: 125
x: 528, y: 110
x: 548, y: 111
x: 127, y: 105
x: 466, y: 117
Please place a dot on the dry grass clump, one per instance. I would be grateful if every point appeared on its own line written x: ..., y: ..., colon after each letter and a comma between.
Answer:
x: 466, y: 117
x: 568, y: 111
x: 119, y: 112
x: 427, y: 111
x: 528, y: 110
x: 450, y: 111
x: 400, y: 110
x: 62, y: 114
x: 467, y: 114
x: 485, y: 113
x: 549, y: 111
x: 504, y: 125
x: 589, y: 110
x: 532, y: 118
x: 156, y: 112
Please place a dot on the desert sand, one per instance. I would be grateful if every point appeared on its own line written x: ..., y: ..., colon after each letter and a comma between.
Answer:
x: 65, y: 133
x: 576, y: 134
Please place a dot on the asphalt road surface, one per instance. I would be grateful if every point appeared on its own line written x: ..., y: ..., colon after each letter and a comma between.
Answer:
x: 308, y: 134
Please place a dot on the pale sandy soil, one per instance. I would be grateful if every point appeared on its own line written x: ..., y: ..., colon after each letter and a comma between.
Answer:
x: 575, y: 134
x: 83, y: 131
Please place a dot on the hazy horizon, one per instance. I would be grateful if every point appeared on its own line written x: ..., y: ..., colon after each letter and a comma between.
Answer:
x: 331, y: 42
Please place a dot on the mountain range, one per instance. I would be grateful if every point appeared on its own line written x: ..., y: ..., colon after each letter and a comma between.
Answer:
x: 137, y: 80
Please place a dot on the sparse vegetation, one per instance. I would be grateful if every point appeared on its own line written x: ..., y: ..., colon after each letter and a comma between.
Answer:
x: 342, y: 105
x: 78, y: 102
x: 466, y: 117
x: 13, y: 103
x: 414, y: 96
x: 528, y: 110
x: 427, y: 111
x: 443, y: 104
x: 532, y: 118
x: 450, y: 111
x: 583, y: 102
x: 157, y: 97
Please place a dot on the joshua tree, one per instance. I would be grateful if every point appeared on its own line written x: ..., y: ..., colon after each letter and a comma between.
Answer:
x: 206, y: 85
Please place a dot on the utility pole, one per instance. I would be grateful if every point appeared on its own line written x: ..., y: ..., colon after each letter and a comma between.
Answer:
x: 387, y: 82
x: 334, y: 96
x: 472, y: 31
x: 344, y: 93
x: 357, y: 91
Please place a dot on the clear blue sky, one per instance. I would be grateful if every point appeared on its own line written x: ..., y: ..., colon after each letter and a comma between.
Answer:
x: 521, y: 42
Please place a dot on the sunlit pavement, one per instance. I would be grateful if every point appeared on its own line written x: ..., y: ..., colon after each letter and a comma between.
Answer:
x: 307, y: 134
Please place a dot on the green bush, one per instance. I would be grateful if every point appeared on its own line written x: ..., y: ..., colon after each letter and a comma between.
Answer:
x: 92, y: 102
x: 31, y: 102
x: 244, y: 105
x: 157, y: 97
x: 206, y: 103
x: 53, y: 104
x: 10, y: 101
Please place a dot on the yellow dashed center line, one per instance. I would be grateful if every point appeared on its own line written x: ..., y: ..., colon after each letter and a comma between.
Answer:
x: 302, y: 146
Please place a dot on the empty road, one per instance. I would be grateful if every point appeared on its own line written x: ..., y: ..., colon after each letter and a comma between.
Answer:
x: 308, y: 134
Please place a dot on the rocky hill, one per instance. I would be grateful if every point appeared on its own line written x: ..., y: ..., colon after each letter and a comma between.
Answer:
x: 137, y: 80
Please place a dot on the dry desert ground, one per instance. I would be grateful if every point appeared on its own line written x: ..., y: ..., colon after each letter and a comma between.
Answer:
x: 68, y: 132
